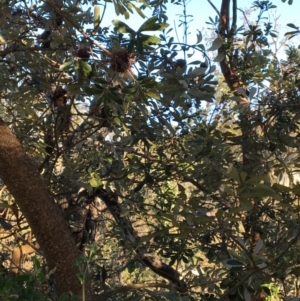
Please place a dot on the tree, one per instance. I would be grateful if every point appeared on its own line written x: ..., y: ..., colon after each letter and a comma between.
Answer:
x: 115, y: 162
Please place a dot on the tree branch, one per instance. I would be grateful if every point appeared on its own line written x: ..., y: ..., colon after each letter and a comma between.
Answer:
x: 30, y: 192
x: 214, y: 7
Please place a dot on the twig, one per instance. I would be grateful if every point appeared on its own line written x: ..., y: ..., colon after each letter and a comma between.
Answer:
x: 214, y: 7
x: 87, y: 36
x: 234, y: 18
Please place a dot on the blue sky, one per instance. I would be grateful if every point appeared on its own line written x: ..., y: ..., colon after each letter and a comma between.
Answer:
x: 201, y: 10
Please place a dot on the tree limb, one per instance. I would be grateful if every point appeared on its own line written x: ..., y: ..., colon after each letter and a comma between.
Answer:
x: 24, y: 182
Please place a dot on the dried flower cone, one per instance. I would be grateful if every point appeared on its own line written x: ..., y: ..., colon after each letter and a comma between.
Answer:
x: 83, y: 53
x: 121, y: 61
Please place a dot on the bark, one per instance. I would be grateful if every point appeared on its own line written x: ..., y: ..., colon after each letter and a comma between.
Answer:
x: 232, y: 77
x: 31, y: 194
x: 227, y: 65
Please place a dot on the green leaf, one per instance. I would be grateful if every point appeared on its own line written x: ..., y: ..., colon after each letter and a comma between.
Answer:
x: 260, y: 190
x: 153, y: 94
x: 74, y: 89
x: 148, y: 237
x: 139, y: 11
x: 65, y: 65
x: 86, y: 68
x: 95, y: 182
x: 199, y: 71
x: 281, y: 188
x: 148, y: 40
x: 291, y: 34
x: 119, y: 9
x: 234, y: 262
x: 296, y: 190
x: 97, y: 17
x: 131, y: 266
x: 92, y: 91
x: 259, y: 178
x: 199, y: 37
x: 122, y: 27
x: 217, y: 43
x: 295, y: 271
x: 252, y: 92
x: 203, y: 219
x: 246, y: 204
x: 247, y: 295
x: 258, y: 246
x: 76, y: 65
x: 243, y: 176
x: 234, y: 174
x: 139, y: 45
x: 292, y: 25
x: 219, y: 58
x: 167, y: 124
x: 151, y: 25
x: 124, y: 213
x: 117, y: 120
x: 139, y: 186
x: 185, y: 259
x: 195, y: 92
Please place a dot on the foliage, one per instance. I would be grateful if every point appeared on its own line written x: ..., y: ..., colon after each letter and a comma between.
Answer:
x: 211, y: 186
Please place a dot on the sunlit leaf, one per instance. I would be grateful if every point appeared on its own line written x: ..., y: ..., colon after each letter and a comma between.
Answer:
x: 199, y: 37
x: 219, y: 58
x: 65, y: 65
x: 149, y: 40
x: 86, y: 68
x: 122, y: 27
x: 152, y: 25
x: 217, y: 43
x: 96, y: 182
x: 139, y: 11
x: 259, y: 245
x: 97, y: 16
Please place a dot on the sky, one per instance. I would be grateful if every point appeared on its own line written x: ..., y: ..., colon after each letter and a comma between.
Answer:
x: 202, y: 10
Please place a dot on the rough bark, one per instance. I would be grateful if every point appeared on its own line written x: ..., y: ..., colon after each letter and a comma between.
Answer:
x: 36, y: 203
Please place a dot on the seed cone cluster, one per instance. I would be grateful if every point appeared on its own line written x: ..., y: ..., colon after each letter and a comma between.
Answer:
x: 83, y: 53
x: 121, y: 61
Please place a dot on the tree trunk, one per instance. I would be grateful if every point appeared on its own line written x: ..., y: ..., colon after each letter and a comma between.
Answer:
x: 31, y: 194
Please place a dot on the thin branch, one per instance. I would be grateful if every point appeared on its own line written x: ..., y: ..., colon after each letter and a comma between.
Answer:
x: 214, y: 7
x: 234, y: 18
x: 244, y: 16
x: 69, y: 19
